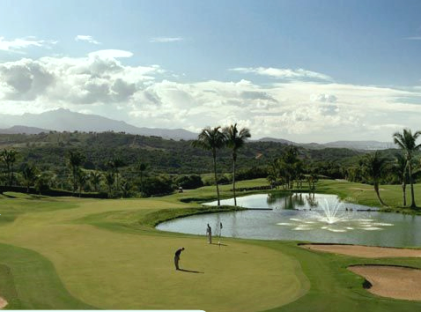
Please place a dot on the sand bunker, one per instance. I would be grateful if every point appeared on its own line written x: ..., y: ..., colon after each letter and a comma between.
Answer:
x: 365, y: 251
x: 391, y: 281
x: 3, y: 303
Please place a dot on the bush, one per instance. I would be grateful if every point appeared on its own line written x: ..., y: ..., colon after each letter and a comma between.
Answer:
x: 252, y: 173
x: 159, y: 185
x: 190, y: 181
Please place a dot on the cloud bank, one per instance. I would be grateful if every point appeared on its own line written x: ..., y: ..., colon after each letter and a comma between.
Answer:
x: 308, y: 107
x: 18, y: 45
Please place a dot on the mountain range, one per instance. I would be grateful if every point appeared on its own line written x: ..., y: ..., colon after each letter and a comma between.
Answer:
x: 65, y: 120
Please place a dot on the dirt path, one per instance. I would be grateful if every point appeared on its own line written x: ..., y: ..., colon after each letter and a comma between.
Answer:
x: 392, y: 282
x: 365, y: 251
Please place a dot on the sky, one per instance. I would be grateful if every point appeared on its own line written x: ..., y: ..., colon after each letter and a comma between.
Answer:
x: 305, y: 71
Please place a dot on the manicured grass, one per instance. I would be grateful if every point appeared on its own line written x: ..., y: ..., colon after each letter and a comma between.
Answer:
x: 29, y: 281
x: 132, y: 267
x: 106, y: 254
x: 364, y: 194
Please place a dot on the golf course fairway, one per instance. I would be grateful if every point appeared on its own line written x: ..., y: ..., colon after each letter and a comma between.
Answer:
x: 72, y: 253
x: 133, y: 269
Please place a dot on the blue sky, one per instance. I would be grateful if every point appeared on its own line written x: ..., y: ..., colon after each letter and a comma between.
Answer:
x: 300, y: 70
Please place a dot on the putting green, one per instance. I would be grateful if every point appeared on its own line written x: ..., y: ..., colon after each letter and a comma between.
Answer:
x: 119, y: 270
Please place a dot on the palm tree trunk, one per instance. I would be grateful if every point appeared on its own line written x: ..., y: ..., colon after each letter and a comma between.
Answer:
x: 233, y: 181
x: 216, y: 178
x: 141, y: 182
x: 413, y: 205
x: 9, y: 174
x: 74, y: 181
x: 404, y: 193
x: 376, y: 188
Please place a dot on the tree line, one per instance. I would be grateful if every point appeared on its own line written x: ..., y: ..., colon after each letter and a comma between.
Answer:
x: 127, y: 165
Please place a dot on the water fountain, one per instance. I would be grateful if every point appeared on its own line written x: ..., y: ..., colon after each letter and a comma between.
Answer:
x: 331, y: 214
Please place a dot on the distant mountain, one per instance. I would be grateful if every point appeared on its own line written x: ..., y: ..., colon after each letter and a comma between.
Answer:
x: 361, y: 145
x: 66, y: 120
x: 356, y: 145
x: 268, y: 139
x: 22, y: 129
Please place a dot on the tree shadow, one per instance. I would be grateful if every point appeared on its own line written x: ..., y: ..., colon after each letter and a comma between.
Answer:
x: 190, y: 271
x: 219, y: 244
x: 8, y: 195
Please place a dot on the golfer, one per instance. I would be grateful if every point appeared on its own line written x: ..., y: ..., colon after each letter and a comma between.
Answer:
x: 209, y: 234
x: 177, y: 257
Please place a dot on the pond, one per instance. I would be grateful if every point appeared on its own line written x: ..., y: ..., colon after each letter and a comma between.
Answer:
x: 303, y: 217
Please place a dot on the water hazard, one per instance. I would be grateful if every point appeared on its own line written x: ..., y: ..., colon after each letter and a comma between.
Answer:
x: 305, y: 217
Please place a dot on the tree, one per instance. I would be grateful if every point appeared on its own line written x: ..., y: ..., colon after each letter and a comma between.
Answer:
x: 82, y: 178
x: 401, y: 171
x: 42, y: 182
x: 235, y: 139
x: 109, y: 180
x: 289, y: 166
x: 75, y: 159
x: 142, y: 168
x: 211, y: 140
x: 374, y: 167
x: 407, y: 143
x: 29, y: 174
x: 95, y: 177
x: 115, y: 164
x: 8, y: 156
x: 125, y: 188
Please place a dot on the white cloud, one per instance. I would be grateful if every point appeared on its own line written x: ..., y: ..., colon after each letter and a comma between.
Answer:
x: 111, y: 54
x: 282, y: 73
x: 166, y: 39
x: 87, y: 38
x: 328, y: 98
x: 302, y: 111
x: 96, y: 79
x: 19, y: 44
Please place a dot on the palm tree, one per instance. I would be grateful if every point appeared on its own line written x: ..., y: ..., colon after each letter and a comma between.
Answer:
x: 82, y: 178
x: 374, y: 168
x: 115, y: 164
x: 125, y: 188
x: 211, y: 140
x: 9, y: 158
x: 29, y: 174
x: 407, y: 143
x: 142, y: 168
x: 95, y: 177
x: 75, y: 161
x: 401, y: 171
x: 235, y: 140
x: 109, y: 180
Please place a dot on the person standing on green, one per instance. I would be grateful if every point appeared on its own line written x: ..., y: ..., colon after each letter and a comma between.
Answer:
x: 209, y: 234
x: 177, y: 257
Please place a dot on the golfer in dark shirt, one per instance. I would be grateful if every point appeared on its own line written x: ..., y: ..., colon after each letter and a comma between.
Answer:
x: 177, y: 257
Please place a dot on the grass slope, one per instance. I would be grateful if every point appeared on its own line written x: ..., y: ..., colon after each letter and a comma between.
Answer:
x: 29, y: 281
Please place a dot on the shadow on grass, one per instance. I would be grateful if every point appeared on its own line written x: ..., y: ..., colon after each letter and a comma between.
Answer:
x: 190, y: 271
